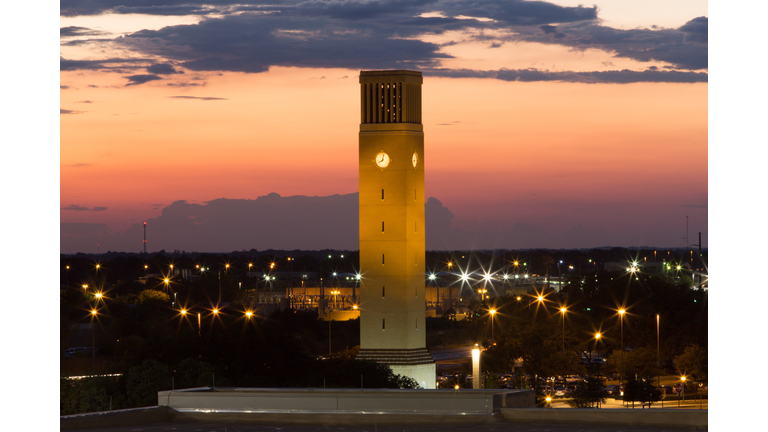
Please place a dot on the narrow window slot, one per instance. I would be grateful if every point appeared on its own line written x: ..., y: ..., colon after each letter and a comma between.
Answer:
x: 382, y: 226
x: 382, y: 291
x: 382, y: 259
x: 382, y: 194
x: 383, y: 324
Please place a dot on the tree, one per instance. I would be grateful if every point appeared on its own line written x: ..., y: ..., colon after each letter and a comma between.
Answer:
x: 641, y: 390
x: 145, y: 380
x: 640, y: 363
x: 693, y: 362
x: 588, y: 394
x: 153, y: 296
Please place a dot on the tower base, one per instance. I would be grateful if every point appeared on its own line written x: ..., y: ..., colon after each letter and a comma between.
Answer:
x: 416, y: 363
x: 424, y: 374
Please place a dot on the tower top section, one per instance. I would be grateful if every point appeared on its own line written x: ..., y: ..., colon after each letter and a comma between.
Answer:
x: 390, y: 96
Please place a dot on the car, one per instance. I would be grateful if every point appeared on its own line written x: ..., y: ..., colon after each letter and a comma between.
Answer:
x: 611, y: 390
x: 560, y: 392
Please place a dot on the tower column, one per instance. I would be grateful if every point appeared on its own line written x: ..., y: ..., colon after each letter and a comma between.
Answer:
x: 391, y: 164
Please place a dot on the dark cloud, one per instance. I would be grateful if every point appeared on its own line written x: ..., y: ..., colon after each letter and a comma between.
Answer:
x: 112, y: 63
x: 63, y: 87
x: 163, y: 69
x: 252, y: 36
x: 79, y: 229
x: 75, y: 207
x: 66, y: 111
x: 85, y: 101
x: 315, y: 223
x: 254, y: 43
x: 196, y: 97
x: 609, y: 77
x: 155, y: 7
x: 73, y: 31
x: 684, y: 48
x: 696, y: 30
x: 184, y: 84
x: 141, y: 79
x: 184, y: 9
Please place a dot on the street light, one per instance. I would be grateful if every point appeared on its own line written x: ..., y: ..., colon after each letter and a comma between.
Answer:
x: 562, y: 311
x: 334, y: 292
x: 682, y: 378
x: 94, y: 312
x: 621, y: 371
x: 493, y: 312
x: 599, y: 361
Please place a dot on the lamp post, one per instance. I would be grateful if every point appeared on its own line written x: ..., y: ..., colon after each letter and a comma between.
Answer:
x: 432, y: 278
x: 597, y: 339
x: 335, y: 292
x: 658, y: 363
x: 621, y: 359
x: 682, y: 378
x: 493, y: 312
x: 562, y: 311
x: 93, y: 337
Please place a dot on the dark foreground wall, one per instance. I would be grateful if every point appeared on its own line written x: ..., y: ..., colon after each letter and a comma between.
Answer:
x: 362, y: 407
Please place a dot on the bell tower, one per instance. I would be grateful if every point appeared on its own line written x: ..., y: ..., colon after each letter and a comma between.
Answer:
x: 391, y: 163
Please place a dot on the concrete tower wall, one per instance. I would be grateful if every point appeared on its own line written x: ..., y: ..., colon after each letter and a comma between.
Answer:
x: 392, y: 303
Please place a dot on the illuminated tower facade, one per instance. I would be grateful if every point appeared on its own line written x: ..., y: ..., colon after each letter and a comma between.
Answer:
x: 392, y: 303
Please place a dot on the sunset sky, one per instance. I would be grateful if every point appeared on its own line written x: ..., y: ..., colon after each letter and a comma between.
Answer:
x: 546, y: 115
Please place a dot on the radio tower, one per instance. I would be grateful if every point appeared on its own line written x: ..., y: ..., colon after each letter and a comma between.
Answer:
x: 145, y: 238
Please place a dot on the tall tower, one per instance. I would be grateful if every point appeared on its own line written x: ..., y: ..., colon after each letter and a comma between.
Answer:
x: 392, y: 303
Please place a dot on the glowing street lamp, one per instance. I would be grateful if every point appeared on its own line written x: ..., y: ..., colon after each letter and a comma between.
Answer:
x: 334, y: 292
x: 682, y: 378
x: 94, y: 313
x: 563, y: 310
x: 621, y: 320
x: 493, y: 312
x: 248, y: 314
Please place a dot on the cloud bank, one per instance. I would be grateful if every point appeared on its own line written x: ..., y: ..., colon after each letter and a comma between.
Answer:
x: 307, y: 223
x: 252, y: 36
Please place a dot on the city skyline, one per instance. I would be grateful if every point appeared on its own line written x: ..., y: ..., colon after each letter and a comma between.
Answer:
x: 542, y: 119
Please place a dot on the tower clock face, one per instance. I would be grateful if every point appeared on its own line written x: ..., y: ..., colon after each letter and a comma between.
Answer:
x: 382, y: 160
x: 415, y: 159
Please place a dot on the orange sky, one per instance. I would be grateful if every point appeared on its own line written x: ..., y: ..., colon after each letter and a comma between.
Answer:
x: 497, y: 151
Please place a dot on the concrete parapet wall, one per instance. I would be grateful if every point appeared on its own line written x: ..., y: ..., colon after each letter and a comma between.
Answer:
x: 127, y: 417
x: 337, y: 401
x: 688, y: 418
